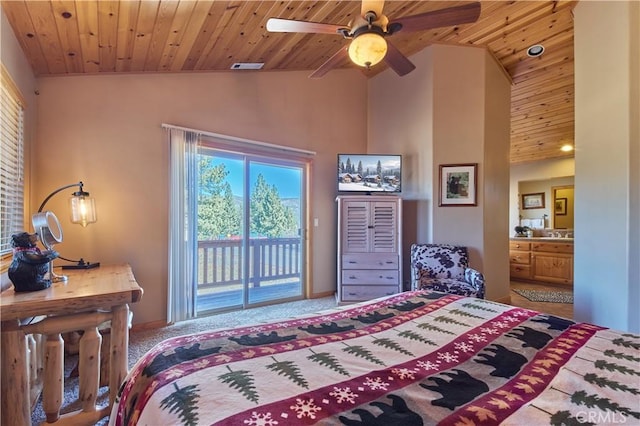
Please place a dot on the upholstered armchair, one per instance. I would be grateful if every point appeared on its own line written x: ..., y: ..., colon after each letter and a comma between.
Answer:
x: 445, y: 268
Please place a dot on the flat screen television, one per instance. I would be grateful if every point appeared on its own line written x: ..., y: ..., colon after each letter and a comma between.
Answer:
x: 369, y: 173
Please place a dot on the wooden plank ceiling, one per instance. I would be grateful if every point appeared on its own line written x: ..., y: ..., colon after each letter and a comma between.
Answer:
x: 64, y: 37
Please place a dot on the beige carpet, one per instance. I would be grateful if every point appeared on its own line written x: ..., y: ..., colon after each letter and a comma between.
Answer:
x: 141, y: 341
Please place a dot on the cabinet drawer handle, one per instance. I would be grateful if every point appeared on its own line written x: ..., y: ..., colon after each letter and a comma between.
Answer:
x: 353, y: 277
x: 352, y: 294
x: 353, y: 262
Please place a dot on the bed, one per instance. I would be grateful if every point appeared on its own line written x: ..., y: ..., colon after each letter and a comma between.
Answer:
x: 416, y: 358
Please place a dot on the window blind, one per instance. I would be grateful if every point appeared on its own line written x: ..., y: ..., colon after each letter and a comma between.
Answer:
x: 11, y: 163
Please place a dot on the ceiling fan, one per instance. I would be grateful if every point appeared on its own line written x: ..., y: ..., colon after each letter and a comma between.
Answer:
x: 369, y: 30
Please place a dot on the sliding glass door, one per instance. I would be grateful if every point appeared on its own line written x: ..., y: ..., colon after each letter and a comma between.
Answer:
x: 250, y: 222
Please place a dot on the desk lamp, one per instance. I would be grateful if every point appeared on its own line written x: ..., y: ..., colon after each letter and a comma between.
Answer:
x: 46, y: 224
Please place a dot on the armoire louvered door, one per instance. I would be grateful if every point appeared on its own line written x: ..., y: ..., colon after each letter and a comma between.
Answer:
x: 369, y: 258
x: 370, y: 226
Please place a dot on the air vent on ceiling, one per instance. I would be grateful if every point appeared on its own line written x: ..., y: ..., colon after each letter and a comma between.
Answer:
x: 247, y: 66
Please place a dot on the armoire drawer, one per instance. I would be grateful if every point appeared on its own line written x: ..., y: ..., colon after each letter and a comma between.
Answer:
x: 370, y: 261
x: 370, y: 276
x: 355, y: 293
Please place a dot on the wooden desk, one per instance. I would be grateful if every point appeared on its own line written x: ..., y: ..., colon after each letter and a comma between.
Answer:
x: 89, y: 298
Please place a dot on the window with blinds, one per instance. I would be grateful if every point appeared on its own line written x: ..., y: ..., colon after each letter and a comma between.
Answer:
x: 11, y: 164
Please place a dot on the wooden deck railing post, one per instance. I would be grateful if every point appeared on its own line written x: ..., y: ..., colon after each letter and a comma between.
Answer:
x: 221, y: 262
x: 257, y: 263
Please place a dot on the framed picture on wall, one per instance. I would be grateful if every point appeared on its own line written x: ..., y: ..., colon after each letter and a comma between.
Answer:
x: 561, y: 207
x: 533, y: 201
x: 458, y: 185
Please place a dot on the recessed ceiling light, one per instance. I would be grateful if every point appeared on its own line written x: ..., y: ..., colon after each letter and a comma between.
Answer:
x: 535, y: 50
x: 566, y: 148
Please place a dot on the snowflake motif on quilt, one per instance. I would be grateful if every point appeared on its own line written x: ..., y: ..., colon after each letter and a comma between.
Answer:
x: 258, y: 419
x: 343, y: 394
x: 375, y: 383
x: 305, y: 408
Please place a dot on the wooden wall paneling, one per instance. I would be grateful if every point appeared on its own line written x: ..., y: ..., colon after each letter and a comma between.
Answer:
x: 271, y: 42
x: 47, y: 33
x: 26, y: 35
x: 498, y: 19
x: 206, y: 38
x: 219, y: 49
x: 67, y: 28
x: 127, y: 18
x: 180, y: 22
x: 539, y: 111
x: 186, y: 36
x: 238, y: 40
x: 108, y: 36
x: 160, y: 35
x: 143, y: 33
x: 249, y: 35
x: 87, y: 12
x: 550, y: 59
x: 522, y: 35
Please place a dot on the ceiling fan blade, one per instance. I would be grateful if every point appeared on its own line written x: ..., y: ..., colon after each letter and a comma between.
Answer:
x: 397, y: 61
x: 372, y: 6
x: 277, y: 25
x: 330, y: 63
x: 438, y: 18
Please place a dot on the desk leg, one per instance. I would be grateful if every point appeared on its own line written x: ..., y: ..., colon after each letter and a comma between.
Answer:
x: 89, y: 368
x: 119, y: 349
x: 16, y: 408
x: 53, y: 386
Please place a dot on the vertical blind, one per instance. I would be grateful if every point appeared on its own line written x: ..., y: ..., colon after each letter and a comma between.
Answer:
x: 11, y: 162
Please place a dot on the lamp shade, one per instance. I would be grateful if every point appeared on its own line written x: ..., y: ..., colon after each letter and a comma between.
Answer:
x: 83, y: 209
x: 367, y: 49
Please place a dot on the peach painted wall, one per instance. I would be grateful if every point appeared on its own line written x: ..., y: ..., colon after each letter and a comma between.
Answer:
x: 607, y: 162
x: 454, y: 108
x: 106, y: 130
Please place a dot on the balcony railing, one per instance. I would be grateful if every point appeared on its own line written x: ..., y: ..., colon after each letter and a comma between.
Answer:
x: 221, y: 263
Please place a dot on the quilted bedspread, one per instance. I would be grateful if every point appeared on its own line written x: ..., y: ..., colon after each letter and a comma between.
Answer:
x: 416, y: 358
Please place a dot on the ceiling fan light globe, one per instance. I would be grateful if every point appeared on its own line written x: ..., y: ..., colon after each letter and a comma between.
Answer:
x: 367, y: 49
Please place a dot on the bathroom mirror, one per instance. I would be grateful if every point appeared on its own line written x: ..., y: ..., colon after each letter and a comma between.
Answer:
x: 557, y: 212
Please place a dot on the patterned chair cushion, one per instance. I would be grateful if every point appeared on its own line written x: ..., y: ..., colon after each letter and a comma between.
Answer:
x: 440, y: 260
x: 450, y: 286
x: 445, y: 268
